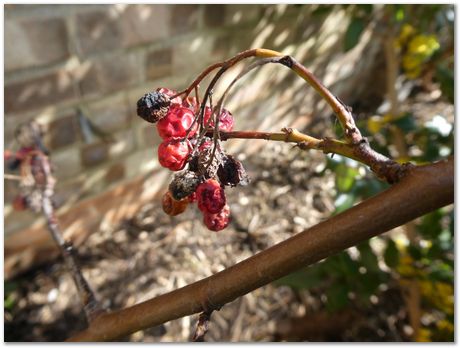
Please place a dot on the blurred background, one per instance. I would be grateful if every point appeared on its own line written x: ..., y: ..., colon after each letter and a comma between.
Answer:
x: 79, y: 70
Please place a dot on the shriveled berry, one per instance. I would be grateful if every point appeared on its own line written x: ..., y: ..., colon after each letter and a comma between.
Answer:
x: 226, y: 121
x: 206, y: 166
x: 172, y: 154
x: 176, y: 123
x: 217, y: 222
x: 231, y: 172
x: 153, y: 106
x: 183, y: 184
x: 210, y: 197
x: 173, y: 207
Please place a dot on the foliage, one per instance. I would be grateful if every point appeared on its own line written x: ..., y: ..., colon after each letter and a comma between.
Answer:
x: 357, y: 273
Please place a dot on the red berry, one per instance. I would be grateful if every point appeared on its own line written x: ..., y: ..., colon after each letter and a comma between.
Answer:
x: 173, y: 207
x: 176, y: 123
x: 210, y: 197
x: 172, y: 154
x: 170, y: 93
x: 207, y: 115
x: 226, y: 120
x: 192, y: 198
x: 217, y: 222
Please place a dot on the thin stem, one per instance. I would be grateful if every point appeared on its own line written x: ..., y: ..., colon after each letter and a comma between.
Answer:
x: 256, y: 52
x: 91, y: 306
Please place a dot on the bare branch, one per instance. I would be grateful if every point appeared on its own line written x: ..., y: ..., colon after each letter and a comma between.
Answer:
x: 423, y: 189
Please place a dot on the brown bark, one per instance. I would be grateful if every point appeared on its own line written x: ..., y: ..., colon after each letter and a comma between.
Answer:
x: 423, y: 189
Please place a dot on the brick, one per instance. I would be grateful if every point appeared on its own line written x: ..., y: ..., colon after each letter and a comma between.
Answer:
x: 184, y: 18
x: 62, y: 132
x: 66, y: 163
x: 151, y: 137
x: 198, y: 51
x: 125, y: 142
x: 115, y: 173
x: 111, y: 114
x: 141, y: 24
x: 39, y: 92
x: 97, y: 31
x: 93, y: 154
x: 214, y: 15
x: 238, y: 14
x: 11, y: 190
x: 68, y: 193
x: 110, y: 74
x: 159, y: 64
x: 31, y: 43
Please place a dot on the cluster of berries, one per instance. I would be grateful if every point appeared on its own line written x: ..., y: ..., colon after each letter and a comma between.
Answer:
x: 202, y: 175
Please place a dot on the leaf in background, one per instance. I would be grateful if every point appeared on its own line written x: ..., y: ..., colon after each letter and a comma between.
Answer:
x: 345, y: 177
x: 406, y: 123
x: 354, y: 31
x: 391, y: 254
x: 303, y: 279
x: 337, y: 297
x: 344, y: 202
x: 368, y: 258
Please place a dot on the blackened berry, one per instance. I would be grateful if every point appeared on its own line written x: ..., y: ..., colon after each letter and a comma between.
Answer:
x: 183, y: 184
x: 231, y: 172
x: 153, y: 106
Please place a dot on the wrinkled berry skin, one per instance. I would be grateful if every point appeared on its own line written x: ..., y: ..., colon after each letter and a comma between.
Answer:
x: 210, y: 197
x: 226, y: 121
x: 231, y: 172
x: 173, y: 207
x: 172, y: 154
x: 176, y: 123
x: 217, y: 222
x: 153, y: 106
x: 183, y: 184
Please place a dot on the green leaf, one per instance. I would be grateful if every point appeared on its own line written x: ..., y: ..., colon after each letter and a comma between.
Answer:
x: 302, y: 279
x: 345, y: 177
x: 368, y: 258
x: 344, y: 202
x: 391, y: 254
x: 406, y: 123
x: 337, y: 297
x: 354, y: 31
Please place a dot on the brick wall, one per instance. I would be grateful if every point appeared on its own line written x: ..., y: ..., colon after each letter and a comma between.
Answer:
x: 62, y: 61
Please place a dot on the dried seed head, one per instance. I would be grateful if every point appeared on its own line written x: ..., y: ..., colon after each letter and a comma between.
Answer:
x: 231, y: 172
x: 183, y: 184
x: 153, y: 106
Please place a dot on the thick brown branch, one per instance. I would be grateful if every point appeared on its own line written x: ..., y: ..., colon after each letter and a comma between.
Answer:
x: 423, y: 189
